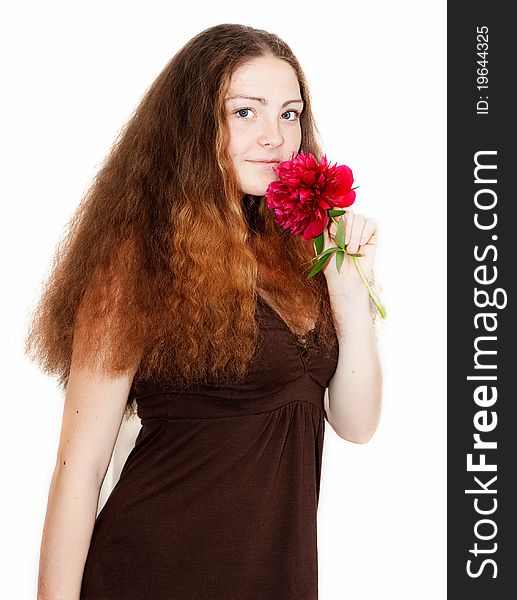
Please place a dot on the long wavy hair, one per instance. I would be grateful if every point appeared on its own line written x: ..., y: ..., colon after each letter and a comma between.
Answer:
x: 162, y: 262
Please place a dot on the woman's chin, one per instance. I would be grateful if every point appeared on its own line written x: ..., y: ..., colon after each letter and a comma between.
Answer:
x: 257, y: 189
x: 253, y: 191
x: 257, y: 185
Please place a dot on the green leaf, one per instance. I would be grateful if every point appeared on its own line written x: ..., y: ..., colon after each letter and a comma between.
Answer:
x: 327, y: 252
x: 332, y: 212
x: 318, y: 243
x: 339, y: 260
x: 318, y: 266
x: 339, y: 238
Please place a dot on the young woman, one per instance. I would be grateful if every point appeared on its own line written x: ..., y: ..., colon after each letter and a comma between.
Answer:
x: 176, y: 294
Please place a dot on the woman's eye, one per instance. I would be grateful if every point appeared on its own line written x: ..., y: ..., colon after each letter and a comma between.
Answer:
x: 244, y: 112
x: 292, y: 115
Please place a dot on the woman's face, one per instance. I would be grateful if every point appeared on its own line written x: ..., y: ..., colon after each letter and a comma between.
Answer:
x: 263, y: 106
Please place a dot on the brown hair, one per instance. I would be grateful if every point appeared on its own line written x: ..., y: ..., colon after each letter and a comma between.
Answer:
x: 163, y: 259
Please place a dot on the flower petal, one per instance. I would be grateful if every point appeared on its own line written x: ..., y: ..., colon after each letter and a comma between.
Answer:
x: 344, y: 177
x: 317, y: 225
x: 344, y: 201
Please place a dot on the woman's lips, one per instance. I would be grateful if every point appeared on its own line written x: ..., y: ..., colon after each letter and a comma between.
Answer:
x: 264, y: 163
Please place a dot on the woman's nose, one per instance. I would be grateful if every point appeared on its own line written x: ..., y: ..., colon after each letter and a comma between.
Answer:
x: 270, y: 133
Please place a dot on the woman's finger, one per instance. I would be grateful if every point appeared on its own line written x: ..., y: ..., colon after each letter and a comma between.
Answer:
x: 369, y: 230
x: 348, y: 222
x: 355, y: 233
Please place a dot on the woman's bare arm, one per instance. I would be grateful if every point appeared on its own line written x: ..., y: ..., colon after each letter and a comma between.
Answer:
x: 355, y: 390
x: 92, y: 415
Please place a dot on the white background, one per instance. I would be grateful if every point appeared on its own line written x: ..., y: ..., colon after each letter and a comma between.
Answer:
x: 72, y: 73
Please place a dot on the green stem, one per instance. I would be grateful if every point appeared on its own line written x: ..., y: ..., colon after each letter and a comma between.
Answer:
x: 373, y: 295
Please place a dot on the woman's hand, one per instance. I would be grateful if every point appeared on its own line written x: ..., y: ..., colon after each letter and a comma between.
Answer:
x: 360, y: 237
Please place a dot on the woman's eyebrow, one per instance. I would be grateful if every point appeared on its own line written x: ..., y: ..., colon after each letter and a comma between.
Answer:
x: 263, y: 100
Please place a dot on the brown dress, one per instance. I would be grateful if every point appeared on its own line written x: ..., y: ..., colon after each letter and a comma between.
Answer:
x: 218, y: 498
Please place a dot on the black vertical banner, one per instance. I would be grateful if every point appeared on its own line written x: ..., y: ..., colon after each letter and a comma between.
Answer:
x: 481, y: 273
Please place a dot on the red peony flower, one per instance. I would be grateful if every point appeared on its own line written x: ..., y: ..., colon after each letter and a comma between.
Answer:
x: 307, y: 197
x: 305, y: 191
